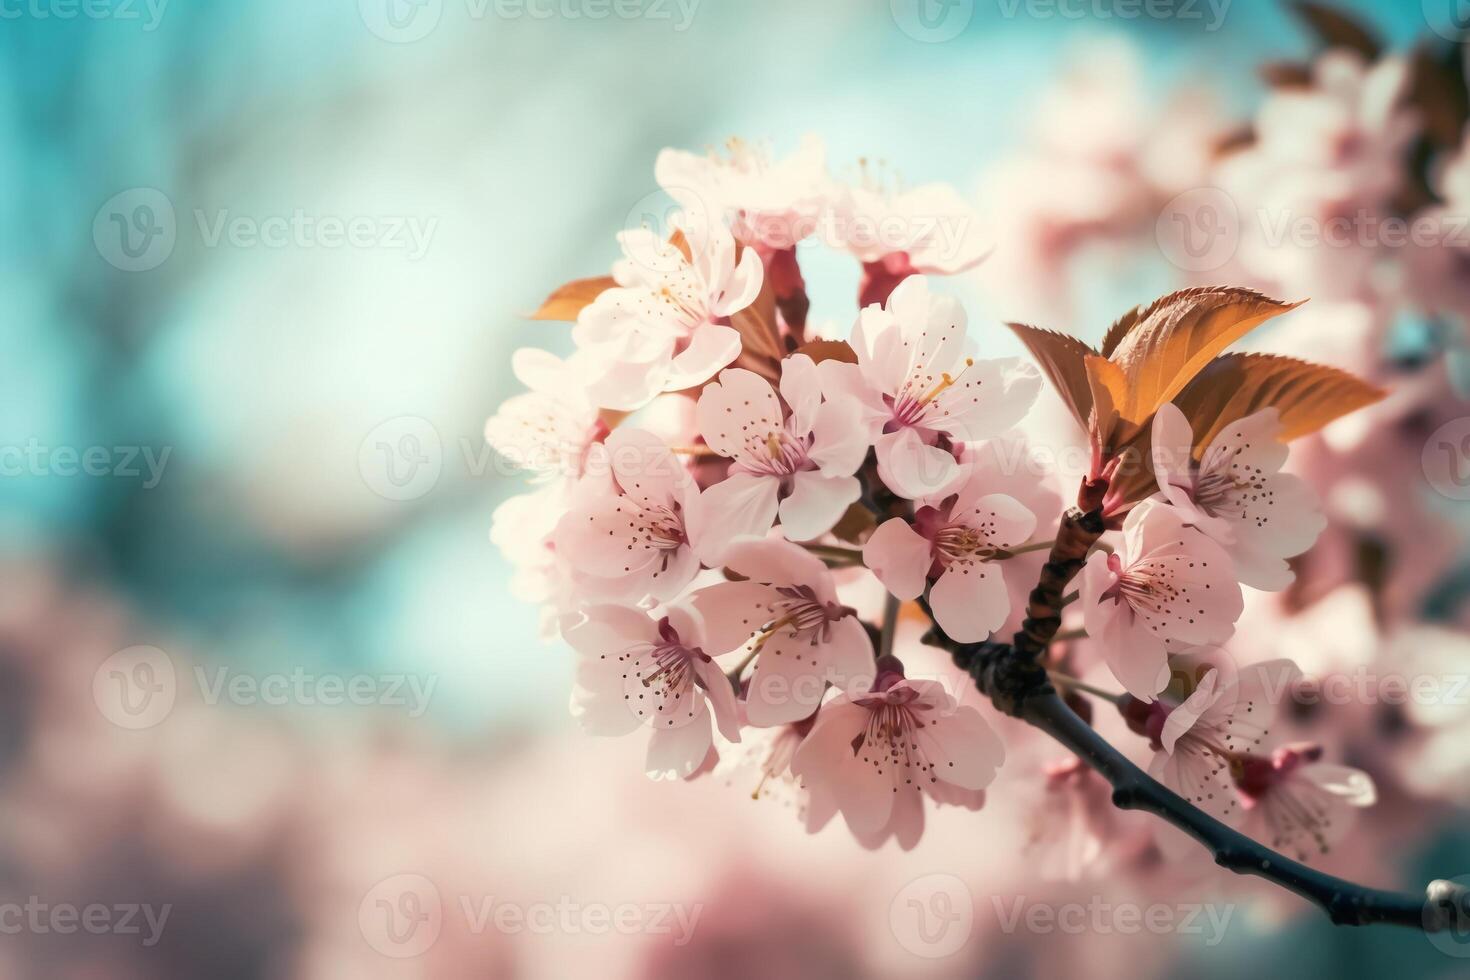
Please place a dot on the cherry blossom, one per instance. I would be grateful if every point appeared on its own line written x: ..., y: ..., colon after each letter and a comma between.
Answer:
x: 1073, y: 828
x: 1167, y: 582
x: 635, y: 671
x: 1225, y: 714
x: 797, y: 462
x: 921, y: 391
x: 929, y: 230
x: 1437, y: 264
x: 873, y: 754
x: 957, y: 542
x: 788, y: 617
x: 771, y: 204
x: 1237, y: 493
x: 521, y: 527
x: 760, y: 765
x: 1326, y: 159
x: 634, y: 540
x: 658, y: 329
x: 549, y: 430
x: 1298, y: 804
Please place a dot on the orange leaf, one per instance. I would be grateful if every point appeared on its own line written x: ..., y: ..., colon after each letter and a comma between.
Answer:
x: 855, y: 525
x: 1308, y: 396
x: 1109, y: 390
x: 760, y: 334
x: 1177, y: 335
x: 1063, y: 360
x: 1337, y: 29
x: 828, y: 350
x: 569, y: 300
x: 1286, y: 74
x: 1120, y: 329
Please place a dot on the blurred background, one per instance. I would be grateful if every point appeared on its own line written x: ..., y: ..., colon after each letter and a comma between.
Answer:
x: 260, y: 666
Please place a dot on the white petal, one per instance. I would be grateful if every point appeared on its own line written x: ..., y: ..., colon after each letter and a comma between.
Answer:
x: 711, y: 347
x: 900, y: 557
x: 816, y: 503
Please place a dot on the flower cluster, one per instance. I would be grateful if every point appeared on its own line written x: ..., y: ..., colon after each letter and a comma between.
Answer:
x: 733, y: 514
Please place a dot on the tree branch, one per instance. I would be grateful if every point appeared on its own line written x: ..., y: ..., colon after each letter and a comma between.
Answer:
x: 1444, y: 903
x: 1013, y: 675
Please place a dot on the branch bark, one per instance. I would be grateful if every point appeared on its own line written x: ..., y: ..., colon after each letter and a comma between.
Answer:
x: 1014, y: 677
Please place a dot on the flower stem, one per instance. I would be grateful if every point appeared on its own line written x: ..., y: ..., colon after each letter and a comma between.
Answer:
x: 890, y: 626
x: 1027, y: 548
x: 836, y: 552
x: 1067, y: 680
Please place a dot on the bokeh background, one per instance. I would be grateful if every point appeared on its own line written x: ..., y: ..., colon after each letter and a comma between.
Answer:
x: 289, y: 478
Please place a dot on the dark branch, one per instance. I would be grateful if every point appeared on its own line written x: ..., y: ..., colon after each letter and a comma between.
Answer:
x: 1013, y: 675
x: 1444, y: 903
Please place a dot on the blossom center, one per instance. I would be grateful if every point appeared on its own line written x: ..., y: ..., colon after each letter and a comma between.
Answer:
x: 783, y: 454
x: 890, y: 740
x: 911, y: 405
x: 662, y: 527
x: 661, y: 680
x: 803, y: 614
x: 959, y: 543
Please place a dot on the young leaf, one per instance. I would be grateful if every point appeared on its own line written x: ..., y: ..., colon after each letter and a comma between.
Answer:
x: 1307, y: 396
x: 1286, y: 74
x: 1336, y: 29
x: 569, y: 300
x: 1108, y: 389
x: 855, y: 525
x: 1177, y: 335
x: 1121, y: 328
x: 828, y: 350
x: 1063, y: 360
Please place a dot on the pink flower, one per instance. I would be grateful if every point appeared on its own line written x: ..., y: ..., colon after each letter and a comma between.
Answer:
x: 636, y: 672
x: 798, y: 462
x: 768, y: 203
x: 935, y: 229
x: 1167, y: 582
x: 928, y: 230
x: 658, y: 330
x: 761, y: 764
x: 1298, y: 804
x: 1326, y: 158
x: 1237, y: 493
x: 521, y: 527
x: 874, y: 754
x: 549, y: 430
x: 1225, y: 715
x: 633, y: 541
x: 957, y: 542
x: 1070, y: 832
x: 788, y: 618
x: 921, y: 392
